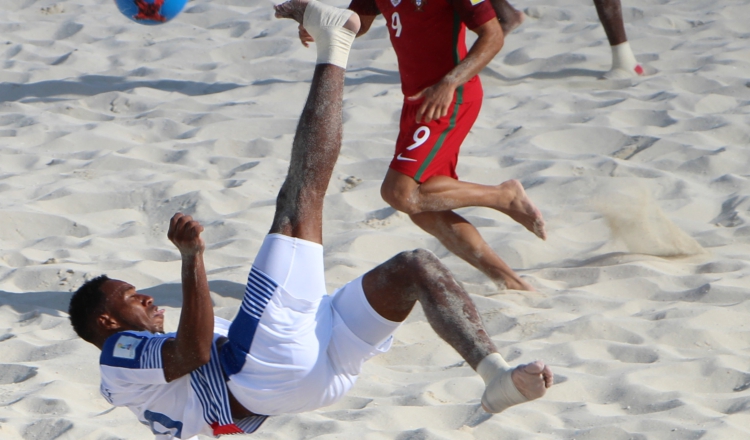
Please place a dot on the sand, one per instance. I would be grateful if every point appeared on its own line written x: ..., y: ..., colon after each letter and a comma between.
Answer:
x: 107, y: 128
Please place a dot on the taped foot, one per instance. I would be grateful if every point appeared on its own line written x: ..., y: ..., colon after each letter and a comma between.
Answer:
x: 624, y: 64
x: 504, y: 384
x: 620, y: 73
x: 333, y: 29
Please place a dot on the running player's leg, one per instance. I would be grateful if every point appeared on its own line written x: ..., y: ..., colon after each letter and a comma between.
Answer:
x: 317, y: 141
x: 395, y: 286
x: 463, y: 239
x: 422, y: 177
x: 610, y: 15
x: 623, y: 60
x: 443, y: 193
x: 508, y: 16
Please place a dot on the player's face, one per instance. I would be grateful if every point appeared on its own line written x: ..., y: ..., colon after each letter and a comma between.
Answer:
x: 132, y: 310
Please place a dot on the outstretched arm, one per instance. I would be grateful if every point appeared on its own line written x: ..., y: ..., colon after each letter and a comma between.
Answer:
x: 191, y: 348
x: 438, y: 97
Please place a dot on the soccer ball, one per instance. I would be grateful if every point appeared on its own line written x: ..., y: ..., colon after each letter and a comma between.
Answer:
x: 150, y: 12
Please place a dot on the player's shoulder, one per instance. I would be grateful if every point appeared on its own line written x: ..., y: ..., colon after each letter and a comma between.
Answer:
x: 132, y: 349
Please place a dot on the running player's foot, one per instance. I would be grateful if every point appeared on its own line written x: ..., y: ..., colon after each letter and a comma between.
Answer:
x: 295, y: 9
x: 623, y: 73
x: 511, y: 387
x: 624, y: 64
x: 517, y: 205
x: 513, y: 282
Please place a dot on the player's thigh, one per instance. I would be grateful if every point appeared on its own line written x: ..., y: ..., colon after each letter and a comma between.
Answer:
x: 428, y: 149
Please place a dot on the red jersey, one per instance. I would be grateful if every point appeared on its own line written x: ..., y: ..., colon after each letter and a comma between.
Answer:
x: 429, y: 37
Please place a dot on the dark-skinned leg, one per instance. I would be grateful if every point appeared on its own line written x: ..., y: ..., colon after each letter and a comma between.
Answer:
x: 624, y: 63
x: 463, y: 239
x: 316, y: 146
x: 317, y: 142
x: 395, y: 286
x: 610, y: 14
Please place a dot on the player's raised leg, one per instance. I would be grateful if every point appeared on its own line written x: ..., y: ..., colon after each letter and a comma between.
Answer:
x: 317, y: 141
x: 395, y: 286
x: 624, y: 63
x: 463, y: 239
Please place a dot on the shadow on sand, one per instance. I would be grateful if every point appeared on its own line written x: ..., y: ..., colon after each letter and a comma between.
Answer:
x: 91, y: 85
x: 169, y: 295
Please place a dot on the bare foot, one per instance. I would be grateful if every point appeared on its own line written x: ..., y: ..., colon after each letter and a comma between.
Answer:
x: 520, y: 385
x: 508, y: 16
x: 517, y: 205
x: 508, y: 282
x: 532, y: 380
x: 294, y: 9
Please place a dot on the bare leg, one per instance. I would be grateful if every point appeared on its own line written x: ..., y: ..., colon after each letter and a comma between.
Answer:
x: 396, y: 285
x: 317, y: 142
x: 441, y: 193
x: 624, y: 63
x: 508, y: 16
x: 610, y: 14
x: 462, y: 238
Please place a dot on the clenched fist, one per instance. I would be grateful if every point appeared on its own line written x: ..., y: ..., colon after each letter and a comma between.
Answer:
x: 185, y: 233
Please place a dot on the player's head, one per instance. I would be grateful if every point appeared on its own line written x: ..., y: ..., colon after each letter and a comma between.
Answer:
x: 103, y: 306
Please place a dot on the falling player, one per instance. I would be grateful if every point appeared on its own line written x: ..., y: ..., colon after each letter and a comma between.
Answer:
x: 292, y: 347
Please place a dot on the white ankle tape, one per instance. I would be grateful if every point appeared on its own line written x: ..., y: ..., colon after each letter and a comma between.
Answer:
x: 325, y: 24
x: 490, y: 365
x: 500, y: 393
x: 622, y: 57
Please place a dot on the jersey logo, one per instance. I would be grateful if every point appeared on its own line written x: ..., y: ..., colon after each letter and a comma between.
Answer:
x: 395, y: 2
x: 475, y: 2
x: 401, y: 157
x: 125, y: 347
x: 419, y: 4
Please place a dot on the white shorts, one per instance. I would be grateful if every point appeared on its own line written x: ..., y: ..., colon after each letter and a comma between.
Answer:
x: 289, y: 347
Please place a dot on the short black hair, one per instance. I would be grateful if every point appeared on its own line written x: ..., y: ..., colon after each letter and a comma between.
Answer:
x: 84, y: 304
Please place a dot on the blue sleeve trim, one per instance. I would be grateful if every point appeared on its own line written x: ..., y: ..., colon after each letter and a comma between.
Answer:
x: 133, y: 350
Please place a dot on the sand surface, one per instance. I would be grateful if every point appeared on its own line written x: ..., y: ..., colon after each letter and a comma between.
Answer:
x: 107, y: 128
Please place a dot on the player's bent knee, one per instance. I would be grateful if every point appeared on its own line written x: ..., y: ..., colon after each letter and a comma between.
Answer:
x: 399, y: 200
x: 419, y: 261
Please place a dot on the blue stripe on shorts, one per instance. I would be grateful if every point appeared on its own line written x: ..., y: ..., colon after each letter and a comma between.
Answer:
x: 258, y: 292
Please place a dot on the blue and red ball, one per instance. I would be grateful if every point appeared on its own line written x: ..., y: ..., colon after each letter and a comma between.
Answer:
x: 150, y: 12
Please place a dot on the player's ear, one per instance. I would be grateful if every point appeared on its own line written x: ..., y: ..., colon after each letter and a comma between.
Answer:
x: 105, y: 321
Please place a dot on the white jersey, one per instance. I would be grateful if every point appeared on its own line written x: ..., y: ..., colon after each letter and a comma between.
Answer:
x: 132, y: 375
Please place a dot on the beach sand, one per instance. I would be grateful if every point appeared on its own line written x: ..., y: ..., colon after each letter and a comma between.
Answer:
x: 107, y: 128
